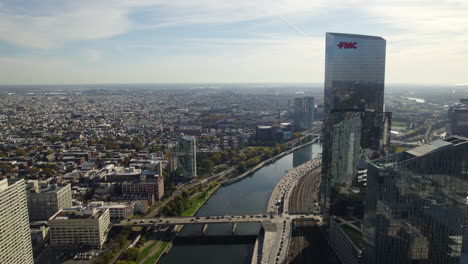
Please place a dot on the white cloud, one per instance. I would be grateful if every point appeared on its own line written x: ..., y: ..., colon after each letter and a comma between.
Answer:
x: 426, y: 42
x: 52, y: 30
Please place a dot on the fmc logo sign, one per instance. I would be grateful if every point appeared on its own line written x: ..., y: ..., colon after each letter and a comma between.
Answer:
x: 347, y: 45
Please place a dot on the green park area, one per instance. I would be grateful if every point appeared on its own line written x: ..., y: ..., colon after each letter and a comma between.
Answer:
x: 398, y: 126
x: 189, y: 202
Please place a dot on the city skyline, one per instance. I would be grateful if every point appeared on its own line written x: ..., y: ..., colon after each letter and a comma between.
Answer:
x: 56, y: 42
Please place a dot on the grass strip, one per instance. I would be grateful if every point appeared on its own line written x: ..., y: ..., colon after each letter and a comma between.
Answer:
x: 143, y: 253
x: 157, y: 254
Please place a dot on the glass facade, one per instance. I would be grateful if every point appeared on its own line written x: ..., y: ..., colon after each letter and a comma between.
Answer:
x: 304, y: 112
x: 184, y: 157
x: 354, y: 89
x: 415, y: 204
x: 458, y: 118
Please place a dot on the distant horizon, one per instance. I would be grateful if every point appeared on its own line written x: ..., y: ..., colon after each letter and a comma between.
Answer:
x: 223, y: 83
x: 279, y: 41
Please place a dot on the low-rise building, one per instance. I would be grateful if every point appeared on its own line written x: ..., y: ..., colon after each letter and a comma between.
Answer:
x: 151, y: 186
x: 117, y: 211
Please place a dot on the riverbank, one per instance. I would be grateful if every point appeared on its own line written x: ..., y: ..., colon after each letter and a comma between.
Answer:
x: 178, y: 229
x: 246, y: 197
x: 266, y: 162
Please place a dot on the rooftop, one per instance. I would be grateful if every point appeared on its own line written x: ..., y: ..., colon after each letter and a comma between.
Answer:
x: 355, y: 36
x: 422, y: 150
x: 50, y: 188
x: 77, y: 213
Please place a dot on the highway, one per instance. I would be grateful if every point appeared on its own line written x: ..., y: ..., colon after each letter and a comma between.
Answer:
x: 305, y: 194
x: 277, y: 237
x: 302, y: 249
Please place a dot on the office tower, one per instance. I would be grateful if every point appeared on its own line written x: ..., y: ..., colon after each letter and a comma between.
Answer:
x: 458, y: 118
x: 355, y: 126
x: 415, y: 204
x: 183, y: 160
x: 79, y: 226
x: 465, y: 230
x: 304, y: 112
x: 15, y: 237
x: 45, y: 201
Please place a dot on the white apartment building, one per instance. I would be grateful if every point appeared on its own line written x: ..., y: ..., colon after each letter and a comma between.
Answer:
x: 117, y: 211
x: 79, y: 226
x: 45, y: 201
x: 15, y: 237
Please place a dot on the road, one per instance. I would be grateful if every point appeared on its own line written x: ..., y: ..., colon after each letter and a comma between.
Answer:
x: 303, y: 249
x: 305, y: 193
x: 213, y: 219
x: 277, y: 237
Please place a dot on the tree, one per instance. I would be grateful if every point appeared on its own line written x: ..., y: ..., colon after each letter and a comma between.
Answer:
x: 48, y: 172
x: 124, y: 262
x: 122, y: 240
x: 277, y: 149
x: 207, y: 165
x: 268, y: 153
x: 131, y: 254
x: 241, y: 167
x: 216, y: 158
x: 6, y: 168
x: 22, y: 152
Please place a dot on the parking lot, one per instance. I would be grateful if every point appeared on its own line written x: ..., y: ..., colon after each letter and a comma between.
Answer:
x: 53, y: 255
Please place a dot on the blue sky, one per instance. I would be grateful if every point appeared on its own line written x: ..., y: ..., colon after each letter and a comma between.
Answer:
x: 151, y: 41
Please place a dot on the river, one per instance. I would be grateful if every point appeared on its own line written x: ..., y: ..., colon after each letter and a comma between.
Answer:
x: 249, y: 196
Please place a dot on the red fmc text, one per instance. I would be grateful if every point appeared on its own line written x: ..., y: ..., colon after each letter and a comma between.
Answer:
x: 347, y: 45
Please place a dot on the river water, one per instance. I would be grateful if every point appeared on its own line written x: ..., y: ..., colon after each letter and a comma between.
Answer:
x: 249, y: 196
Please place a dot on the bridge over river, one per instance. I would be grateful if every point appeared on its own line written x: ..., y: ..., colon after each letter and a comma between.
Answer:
x: 272, y: 246
x: 267, y: 220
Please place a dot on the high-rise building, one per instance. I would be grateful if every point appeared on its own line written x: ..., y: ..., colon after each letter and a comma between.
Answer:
x: 15, y: 237
x: 45, y: 201
x: 355, y: 126
x: 304, y: 112
x: 415, y: 204
x: 458, y: 118
x: 183, y: 159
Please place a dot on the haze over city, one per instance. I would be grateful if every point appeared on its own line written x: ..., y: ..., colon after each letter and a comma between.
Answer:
x: 150, y: 41
x: 234, y: 132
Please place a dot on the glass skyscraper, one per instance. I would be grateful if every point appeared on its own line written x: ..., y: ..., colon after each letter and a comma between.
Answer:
x: 304, y: 112
x: 355, y: 126
x: 415, y: 204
